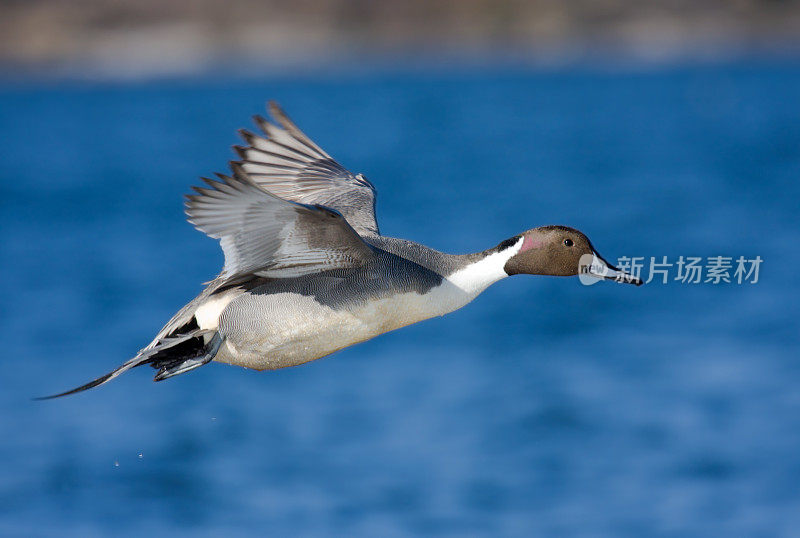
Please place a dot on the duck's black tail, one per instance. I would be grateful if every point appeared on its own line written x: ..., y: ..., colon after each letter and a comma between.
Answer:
x: 172, y: 355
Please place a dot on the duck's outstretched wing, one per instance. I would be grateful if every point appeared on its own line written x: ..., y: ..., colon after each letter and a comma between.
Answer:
x: 268, y: 236
x: 285, y: 162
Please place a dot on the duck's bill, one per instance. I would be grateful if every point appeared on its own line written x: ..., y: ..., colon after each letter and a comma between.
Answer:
x: 593, y: 268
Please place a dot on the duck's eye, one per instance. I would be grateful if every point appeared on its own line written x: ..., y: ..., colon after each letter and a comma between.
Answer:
x: 568, y: 242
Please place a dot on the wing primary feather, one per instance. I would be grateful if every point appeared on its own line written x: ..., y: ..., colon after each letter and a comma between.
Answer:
x: 241, y: 151
x: 277, y: 135
x: 278, y: 113
x: 304, y: 157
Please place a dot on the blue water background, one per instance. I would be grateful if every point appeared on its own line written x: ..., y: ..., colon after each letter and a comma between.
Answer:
x: 543, y: 408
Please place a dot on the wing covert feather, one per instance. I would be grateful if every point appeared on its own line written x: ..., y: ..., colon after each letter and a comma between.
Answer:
x: 263, y: 234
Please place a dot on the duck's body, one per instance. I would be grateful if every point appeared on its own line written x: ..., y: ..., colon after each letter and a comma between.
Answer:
x: 307, y: 272
x: 274, y: 323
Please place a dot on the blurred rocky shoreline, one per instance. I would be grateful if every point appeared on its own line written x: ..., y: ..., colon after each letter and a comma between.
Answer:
x: 152, y: 37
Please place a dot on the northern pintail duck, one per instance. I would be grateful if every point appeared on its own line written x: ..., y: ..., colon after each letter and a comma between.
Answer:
x: 307, y: 271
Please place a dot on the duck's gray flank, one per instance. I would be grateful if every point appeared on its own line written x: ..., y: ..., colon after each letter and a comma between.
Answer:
x: 307, y: 272
x: 399, y: 266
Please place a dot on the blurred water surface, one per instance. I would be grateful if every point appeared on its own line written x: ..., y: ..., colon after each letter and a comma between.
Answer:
x: 543, y: 408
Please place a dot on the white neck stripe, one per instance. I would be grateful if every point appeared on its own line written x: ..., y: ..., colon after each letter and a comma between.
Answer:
x: 479, y: 275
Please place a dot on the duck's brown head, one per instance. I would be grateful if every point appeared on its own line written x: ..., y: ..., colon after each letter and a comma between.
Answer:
x: 562, y: 251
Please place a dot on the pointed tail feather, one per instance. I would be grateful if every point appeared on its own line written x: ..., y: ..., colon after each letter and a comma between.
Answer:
x: 173, y: 355
x: 134, y: 362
